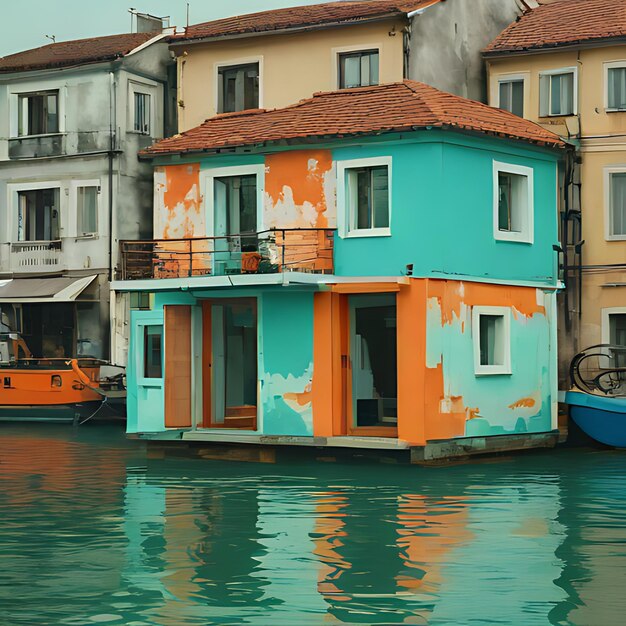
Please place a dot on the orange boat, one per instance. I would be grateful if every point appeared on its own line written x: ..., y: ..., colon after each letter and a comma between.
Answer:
x: 50, y: 389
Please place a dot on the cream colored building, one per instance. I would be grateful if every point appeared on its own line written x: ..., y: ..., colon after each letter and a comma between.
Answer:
x: 276, y: 58
x: 571, y: 78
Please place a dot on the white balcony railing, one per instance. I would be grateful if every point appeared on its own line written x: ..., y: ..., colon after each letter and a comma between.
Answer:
x: 35, y: 256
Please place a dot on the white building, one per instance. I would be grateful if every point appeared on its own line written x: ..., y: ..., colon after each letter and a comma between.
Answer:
x: 72, y: 117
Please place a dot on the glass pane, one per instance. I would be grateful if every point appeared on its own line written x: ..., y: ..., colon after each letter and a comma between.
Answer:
x: 567, y: 94
x: 350, y: 71
x: 380, y: 193
x: 365, y: 70
x: 517, y: 98
x: 36, y: 115
x: 374, y: 68
x: 87, y: 208
x: 555, y: 95
x: 239, y: 88
x: 374, y: 364
x: 505, y: 96
x: 152, y: 352
x: 489, y: 325
x: 363, y: 199
x: 617, y: 88
x: 504, y: 201
x: 618, y: 204
x: 617, y: 324
x: 52, y: 120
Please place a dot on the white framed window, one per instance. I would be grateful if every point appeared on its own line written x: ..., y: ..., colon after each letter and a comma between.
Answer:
x: 615, y: 203
x: 513, y: 204
x: 142, y: 114
x: 141, y: 117
x: 233, y: 198
x: 557, y: 92
x: 511, y: 94
x: 38, y: 113
x: 238, y: 85
x: 615, y: 86
x: 614, y: 331
x: 85, y: 202
x: 364, y: 197
x: 35, y: 211
x: 358, y: 68
x: 491, y: 336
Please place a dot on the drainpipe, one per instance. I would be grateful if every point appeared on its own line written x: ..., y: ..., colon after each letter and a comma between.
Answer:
x: 111, y: 157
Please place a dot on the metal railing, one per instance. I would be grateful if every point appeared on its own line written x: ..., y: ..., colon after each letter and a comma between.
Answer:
x: 31, y: 256
x: 268, y: 252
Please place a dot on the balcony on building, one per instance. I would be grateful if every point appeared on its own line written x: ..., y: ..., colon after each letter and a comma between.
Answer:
x: 306, y: 250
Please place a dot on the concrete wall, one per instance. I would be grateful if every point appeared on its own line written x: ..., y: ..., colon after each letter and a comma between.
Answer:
x: 447, y: 40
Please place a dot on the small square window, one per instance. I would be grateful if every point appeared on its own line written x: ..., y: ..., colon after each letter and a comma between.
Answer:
x: 367, y: 199
x: 238, y: 88
x: 557, y: 94
x: 616, y: 85
x: 491, y: 328
x: 358, y: 69
x: 511, y: 93
x: 617, y: 204
x: 139, y: 300
x: 38, y: 113
x: 513, y: 202
x: 153, y: 351
x: 142, y: 113
x: 617, y: 337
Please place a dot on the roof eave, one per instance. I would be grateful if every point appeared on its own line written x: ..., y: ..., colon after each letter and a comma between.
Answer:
x: 556, y: 144
x: 178, y: 41
x: 601, y: 42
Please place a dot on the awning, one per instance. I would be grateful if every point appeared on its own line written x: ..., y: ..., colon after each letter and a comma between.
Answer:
x: 41, y: 290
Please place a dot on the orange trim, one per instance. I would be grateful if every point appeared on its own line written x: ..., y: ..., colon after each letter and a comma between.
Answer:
x: 411, y: 333
x: 177, y: 366
x: 322, y: 402
x: 207, y: 362
x: 356, y: 288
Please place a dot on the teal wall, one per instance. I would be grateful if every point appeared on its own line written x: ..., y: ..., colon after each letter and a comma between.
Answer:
x: 496, y: 397
x: 442, y: 212
x: 285, y: 360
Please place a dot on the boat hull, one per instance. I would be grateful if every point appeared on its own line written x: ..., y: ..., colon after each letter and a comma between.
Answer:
x: 601, y: 418
x: 49, y: 413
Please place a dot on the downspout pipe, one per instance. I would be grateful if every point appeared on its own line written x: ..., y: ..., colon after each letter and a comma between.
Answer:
x: 111, y: 155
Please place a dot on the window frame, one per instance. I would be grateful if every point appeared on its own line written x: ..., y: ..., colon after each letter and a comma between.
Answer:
x: 510, y: 78
x: 611, y: 66
x: 608, y: 213
x: 74, y: 217
x: 13, y: 190
x: 362, y: 47
x: 361, y: 52
x: 207, y: 184
x: 503, y: 369
x: 150, y: 89
x: 234, y: 62
x: 555, y: 72
x: 526, y: 235
x: 38, y: 92
x: 147, y: 97
x: 345, y: 216
x: 140, y: 349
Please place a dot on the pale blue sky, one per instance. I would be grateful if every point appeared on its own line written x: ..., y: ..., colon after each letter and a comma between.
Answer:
x: 26, y: 22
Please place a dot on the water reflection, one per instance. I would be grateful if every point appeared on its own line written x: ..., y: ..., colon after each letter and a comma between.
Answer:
x: 94, y: 530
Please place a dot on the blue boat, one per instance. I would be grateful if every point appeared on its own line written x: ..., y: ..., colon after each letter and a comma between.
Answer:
x: 597, y: 402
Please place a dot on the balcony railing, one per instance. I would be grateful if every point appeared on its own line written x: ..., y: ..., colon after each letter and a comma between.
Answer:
x: 35, y: 256
x: 268, y: 252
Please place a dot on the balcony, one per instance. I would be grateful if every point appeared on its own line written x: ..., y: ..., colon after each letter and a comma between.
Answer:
x: 35, y: 256
x: 268, y: 252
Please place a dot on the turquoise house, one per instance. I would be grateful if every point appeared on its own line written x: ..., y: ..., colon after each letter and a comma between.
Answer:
x: 372, y: 267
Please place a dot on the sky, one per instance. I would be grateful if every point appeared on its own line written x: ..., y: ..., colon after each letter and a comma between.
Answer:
x: 32, y: 20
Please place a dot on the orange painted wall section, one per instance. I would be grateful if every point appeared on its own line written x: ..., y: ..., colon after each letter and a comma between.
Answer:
x: 300, y: 190
x: 178, y: 202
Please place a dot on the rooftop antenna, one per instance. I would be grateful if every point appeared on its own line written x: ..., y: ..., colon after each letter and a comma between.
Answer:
x: 132, y: 12
x: 53, y: 38
x: 188, y: 15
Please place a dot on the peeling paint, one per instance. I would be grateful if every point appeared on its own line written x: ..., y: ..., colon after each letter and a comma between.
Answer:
x: 300, y: 190
x: 178, y: 202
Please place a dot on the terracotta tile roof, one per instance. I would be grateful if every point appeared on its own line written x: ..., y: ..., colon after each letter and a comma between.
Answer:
x: 303, y: 16
x: 394, y: 107
x: 76, y: 52
x: 565, y: 22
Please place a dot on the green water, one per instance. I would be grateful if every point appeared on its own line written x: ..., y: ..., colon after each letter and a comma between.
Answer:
x: 95, y: 529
